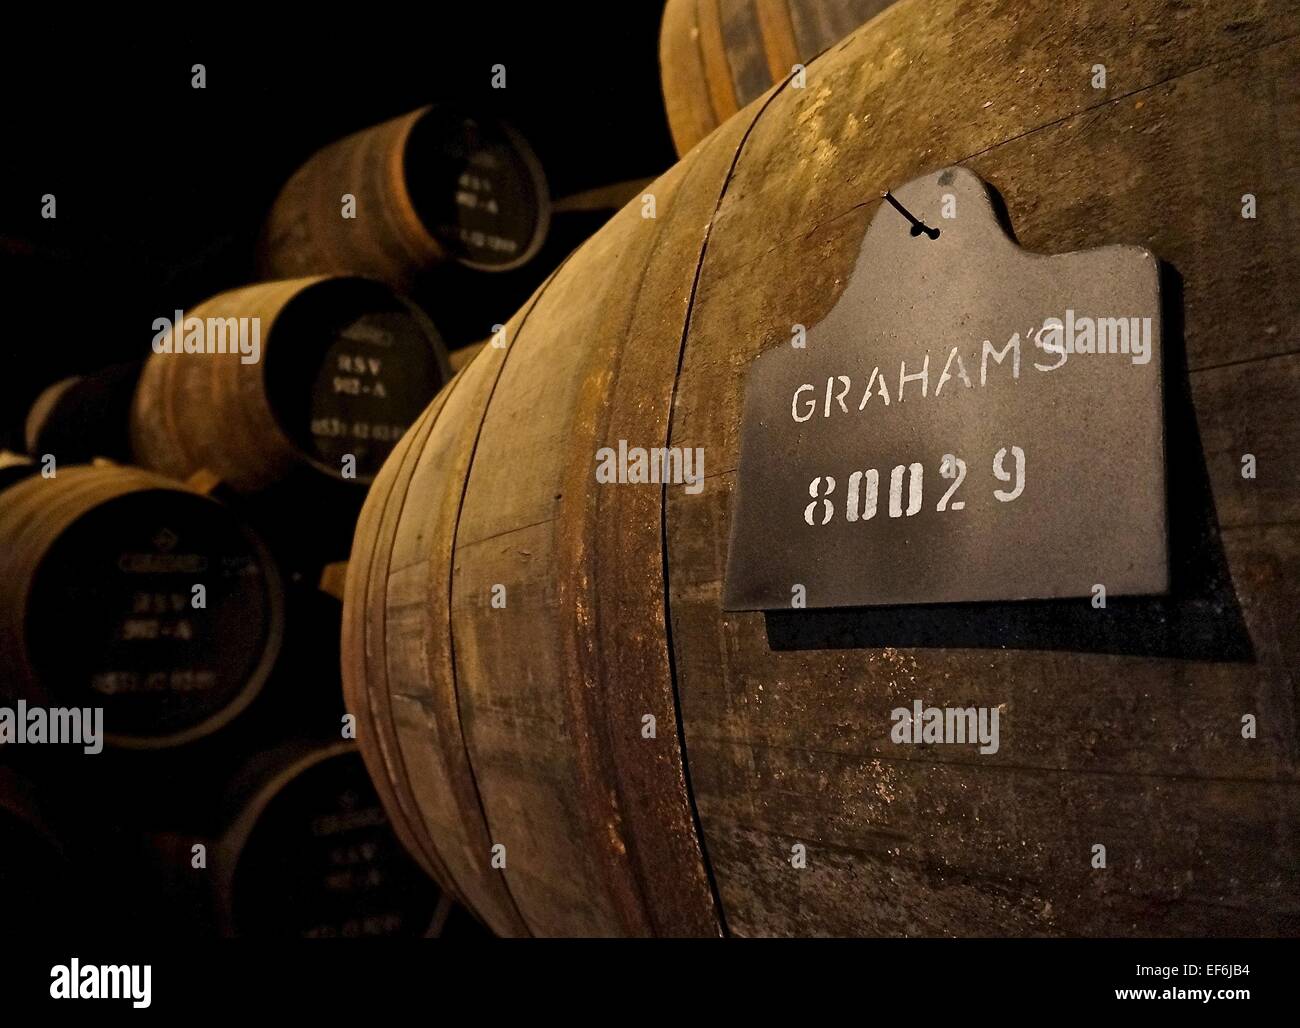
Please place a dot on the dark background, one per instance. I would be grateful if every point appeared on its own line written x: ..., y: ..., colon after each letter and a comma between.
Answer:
x: 162, y: 188
x: 161, y: 192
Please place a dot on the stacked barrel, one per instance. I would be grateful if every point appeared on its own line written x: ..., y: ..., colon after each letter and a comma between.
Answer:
x: 162, y: 543
x: 716, y: 56
x: 545, y: 721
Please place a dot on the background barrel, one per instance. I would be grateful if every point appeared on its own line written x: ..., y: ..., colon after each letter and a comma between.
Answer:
x: 345, y: 365
x: 435, y: 185
x: 97, y: 573
x: 45, y: 403
x: 14, y: 467
x: 715, y: 56
x: 86, y: 416
x: 521, y: 724
x: 310, y: 854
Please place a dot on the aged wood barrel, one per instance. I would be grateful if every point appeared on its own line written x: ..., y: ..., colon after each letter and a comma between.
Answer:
x: 310, y: 854
x: 715, y: 56
x: 439, y: 184
x: 511, y: 623
x: 85, y: 416
x: 14, y: 467
x: 98, y: 574
x: 343, y: 365
x: 45, y: 403
x: 462, y: 356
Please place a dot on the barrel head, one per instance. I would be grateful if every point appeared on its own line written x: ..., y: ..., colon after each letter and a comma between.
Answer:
x: 112, y: 619
x: 315, y: 857
x: 477, y: 188
x: 351, y: 367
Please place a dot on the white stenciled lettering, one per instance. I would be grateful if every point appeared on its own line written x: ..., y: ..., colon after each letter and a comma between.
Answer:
x: 954, y: 468
x: 961, y: 371
x: 814, y: 490
x: 883, y: 392
x: 863, y: 492
x: 1131, y: 336
x: 794, y: 404
x: 847, y: 382
x: 1013, y: 344
x: 923, y: 376
x: 1007, y: 476
x: 870, y: 495
x: 914, y: 474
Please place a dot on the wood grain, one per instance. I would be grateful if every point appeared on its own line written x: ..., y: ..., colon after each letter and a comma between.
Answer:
x: 716, y: 56
x: 1120, y: 728
x: 236, y: 636
x: 213, y: 411
x: 1138, y: 753
x: 392, y: 236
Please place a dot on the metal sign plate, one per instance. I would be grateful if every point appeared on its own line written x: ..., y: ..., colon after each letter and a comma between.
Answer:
x: 971, y: 421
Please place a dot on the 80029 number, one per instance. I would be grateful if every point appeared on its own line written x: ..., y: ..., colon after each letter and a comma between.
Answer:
x: 862, y: 496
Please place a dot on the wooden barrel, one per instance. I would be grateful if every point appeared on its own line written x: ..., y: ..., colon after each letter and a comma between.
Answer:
x: 86, y: 416
x: 436, y: 185
x: 49, y: 398
x: 14, y: 467
x: 459, y: 358
x: 715, y: 56
x: 310, y: 854
x: 98, y: 569
x: 344, y: 366
x: 506, y: 640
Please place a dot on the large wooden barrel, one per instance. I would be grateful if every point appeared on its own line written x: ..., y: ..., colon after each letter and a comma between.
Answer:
x: 310, y: 854
x: 510, y: 623
x: 459, y: 358
x: 436, y: 185
x: 715, y: 56
x: 98, y: 569
x: 344, y: 366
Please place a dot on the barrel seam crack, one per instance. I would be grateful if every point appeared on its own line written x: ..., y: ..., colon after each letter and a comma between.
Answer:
x: 398, y: 760
x: 451, y: 637
x: 663, y: 515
